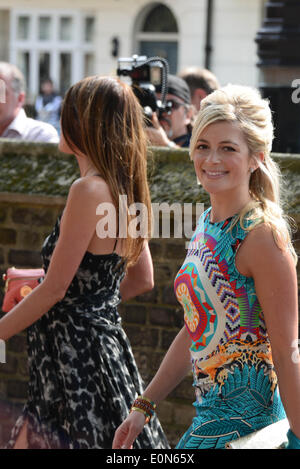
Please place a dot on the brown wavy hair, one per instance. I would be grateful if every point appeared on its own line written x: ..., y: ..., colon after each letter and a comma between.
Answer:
x: 102, y: 118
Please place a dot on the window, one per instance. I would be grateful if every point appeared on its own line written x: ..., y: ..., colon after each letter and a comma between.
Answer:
x: 89, y: 62
x: 160, y: 20
x: 66, y: 29
x: 89, y: 29
x: 58, y: 44
x: 44, y: 27
x: 65, y: 64
x: 44, y: 66
x: 157, y: 34
x: 23, y: 27
x: 24, y: 64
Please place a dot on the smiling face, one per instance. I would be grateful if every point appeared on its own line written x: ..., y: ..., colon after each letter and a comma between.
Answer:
x: 222, y: 160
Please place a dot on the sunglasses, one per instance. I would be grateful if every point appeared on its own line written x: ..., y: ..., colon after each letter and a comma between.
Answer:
x: 173, y: 105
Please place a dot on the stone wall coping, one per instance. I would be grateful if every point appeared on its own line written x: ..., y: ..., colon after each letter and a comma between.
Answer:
x: 163, y: 154
x: 19, y: 147
x: 169, y: 155
x: 32, y: 199
x: 40, y: 171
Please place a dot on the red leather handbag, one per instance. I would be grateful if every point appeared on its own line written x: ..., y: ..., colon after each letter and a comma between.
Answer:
x: 18, y: 284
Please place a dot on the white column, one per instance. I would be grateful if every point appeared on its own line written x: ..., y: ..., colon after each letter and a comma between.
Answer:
x: 54, y: 52
x: 33, y: 85
x: 76, y: 53
x: 54, y: 68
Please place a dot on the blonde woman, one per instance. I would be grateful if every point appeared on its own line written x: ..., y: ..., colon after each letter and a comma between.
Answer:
x: 237, y: 286
x: 82, y: 373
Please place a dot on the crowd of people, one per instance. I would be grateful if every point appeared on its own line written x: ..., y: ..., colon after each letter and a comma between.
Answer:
x: 185, y: 92
x: 237, y: 285
x: 173, y: 129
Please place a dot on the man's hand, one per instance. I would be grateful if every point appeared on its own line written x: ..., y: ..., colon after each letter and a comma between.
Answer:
x: 157, y: 135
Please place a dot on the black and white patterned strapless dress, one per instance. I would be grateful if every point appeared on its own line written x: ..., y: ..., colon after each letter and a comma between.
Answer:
x: 82, y: 374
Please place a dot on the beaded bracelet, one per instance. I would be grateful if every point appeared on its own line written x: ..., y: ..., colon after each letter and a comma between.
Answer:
x: 147, y: 417
x: 143, y: 398
x: 145, y: 406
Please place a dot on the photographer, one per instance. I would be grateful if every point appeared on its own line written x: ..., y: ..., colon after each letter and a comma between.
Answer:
x: 201, y: 82
x: 173, y: 128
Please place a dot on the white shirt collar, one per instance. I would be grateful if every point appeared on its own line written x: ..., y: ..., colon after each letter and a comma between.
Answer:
x: 18, y: 124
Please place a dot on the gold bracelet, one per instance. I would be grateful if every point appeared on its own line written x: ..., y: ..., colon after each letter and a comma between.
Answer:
x: 148, y: 400
x: 145, y: 406
x: 147, y: 416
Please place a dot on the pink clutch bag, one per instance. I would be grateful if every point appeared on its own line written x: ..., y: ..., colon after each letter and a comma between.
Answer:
x: 18, y: 284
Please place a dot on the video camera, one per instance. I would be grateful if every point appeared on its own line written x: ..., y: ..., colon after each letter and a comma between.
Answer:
x: 145, y: 74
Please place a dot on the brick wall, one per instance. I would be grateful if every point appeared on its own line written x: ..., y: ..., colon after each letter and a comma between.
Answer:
x: 151, y: 320
x: 24, y: 223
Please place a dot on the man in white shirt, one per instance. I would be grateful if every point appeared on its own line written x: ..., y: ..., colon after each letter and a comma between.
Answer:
x: 14, y: 124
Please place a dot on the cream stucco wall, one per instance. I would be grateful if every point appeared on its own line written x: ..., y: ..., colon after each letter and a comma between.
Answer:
x: 4, y: 34
x: 235, y: 24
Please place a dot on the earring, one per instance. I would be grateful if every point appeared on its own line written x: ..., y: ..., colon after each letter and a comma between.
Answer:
x: 251, y: 170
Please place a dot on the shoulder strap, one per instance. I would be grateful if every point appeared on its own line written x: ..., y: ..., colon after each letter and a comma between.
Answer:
x: 115, y: 245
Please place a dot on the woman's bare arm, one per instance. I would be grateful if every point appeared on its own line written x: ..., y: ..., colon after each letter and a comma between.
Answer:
x: 174, y: 367
x: 275, y: 279
x: 139, y: 278
x: 77, y: 227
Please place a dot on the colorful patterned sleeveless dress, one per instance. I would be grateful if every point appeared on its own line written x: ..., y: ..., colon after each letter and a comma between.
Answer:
x: 234, y: 378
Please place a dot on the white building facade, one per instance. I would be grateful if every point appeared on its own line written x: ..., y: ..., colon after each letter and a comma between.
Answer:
x: 69, y: 39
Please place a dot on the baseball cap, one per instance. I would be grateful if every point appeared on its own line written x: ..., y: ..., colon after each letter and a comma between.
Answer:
x: 178, y: 87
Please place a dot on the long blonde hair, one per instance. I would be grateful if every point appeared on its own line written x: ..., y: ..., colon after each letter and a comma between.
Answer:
x: 103, y: 119
x: 243, y: 104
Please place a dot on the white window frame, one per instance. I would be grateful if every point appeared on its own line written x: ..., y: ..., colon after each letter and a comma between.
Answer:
x: 140, y: 35
x: 77, y: 46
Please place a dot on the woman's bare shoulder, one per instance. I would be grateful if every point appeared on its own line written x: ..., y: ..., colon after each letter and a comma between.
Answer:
x: 260, y: 235
x: 261, y: 249
x: 89, y: 183
x: 92, y: 187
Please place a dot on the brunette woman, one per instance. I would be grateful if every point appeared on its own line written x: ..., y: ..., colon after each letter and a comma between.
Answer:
x: 82, y: 374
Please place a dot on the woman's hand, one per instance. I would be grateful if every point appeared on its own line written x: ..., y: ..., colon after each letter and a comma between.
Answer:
x: 275, y: 277
x: 174, y: 367
x: 129, y: 430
